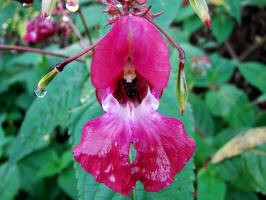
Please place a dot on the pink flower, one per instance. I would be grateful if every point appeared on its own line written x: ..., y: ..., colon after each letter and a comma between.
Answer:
x: 130, y: 69
x: 40, y: 29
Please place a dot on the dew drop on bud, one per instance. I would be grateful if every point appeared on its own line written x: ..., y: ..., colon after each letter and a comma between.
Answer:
x: 27, y: 5
x: 40, y: 92
x: 72, y: 5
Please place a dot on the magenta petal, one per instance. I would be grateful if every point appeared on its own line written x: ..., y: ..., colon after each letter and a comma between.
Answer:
x: 163, y: 149
x: 149, y: 53
x: 131, y: 38
x: 103, y: 152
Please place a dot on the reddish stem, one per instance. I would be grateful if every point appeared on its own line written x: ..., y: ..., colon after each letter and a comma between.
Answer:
x: 60, y: 66
x: 177, y: 46
x: 85, y: 26
x: 75, y: 29
x: 35, y: 50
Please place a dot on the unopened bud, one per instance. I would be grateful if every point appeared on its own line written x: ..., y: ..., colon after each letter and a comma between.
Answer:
x: 181, y: 89
x: 43, y: 83
x: 47, y: 8
x: 201, y: 8
x: 40, y: 90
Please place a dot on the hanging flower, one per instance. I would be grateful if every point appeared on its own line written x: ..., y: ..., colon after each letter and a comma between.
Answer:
x: 40, y: 29
x: 130, y: 69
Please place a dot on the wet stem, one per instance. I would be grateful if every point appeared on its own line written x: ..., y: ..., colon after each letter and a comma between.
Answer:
x: 133, y: 192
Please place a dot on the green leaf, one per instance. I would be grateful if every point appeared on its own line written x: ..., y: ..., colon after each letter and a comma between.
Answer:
x: 30, y: 166
x: 9, y: 184
x: 192, y: 24
x: 233, y: 193
x: 172, y: 8
x: 2, y: 119
x: 202, y: 116
x: 235, y: 9
x: 232, y: 104
x: 254, y: 73
x: 7, y: 12
x: 92, y: 14
x: 246, y: 171
x: 209, y: 187
x: 254, y: 2
x: 204, y: 149
x: 67, y: 181
x: 46, y: 113
x: 222, y: 27
x: 221, y: 69
x: 219, y: 72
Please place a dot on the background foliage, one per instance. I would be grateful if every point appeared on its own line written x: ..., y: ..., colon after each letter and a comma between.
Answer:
x: 227, y: 97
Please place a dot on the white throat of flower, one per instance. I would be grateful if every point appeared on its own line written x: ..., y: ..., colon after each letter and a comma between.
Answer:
x: 130, y: 110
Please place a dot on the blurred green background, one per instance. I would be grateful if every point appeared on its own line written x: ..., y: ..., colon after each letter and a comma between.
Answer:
x: 225, y: 71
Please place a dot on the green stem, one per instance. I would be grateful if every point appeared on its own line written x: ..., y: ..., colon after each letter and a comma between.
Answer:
x: 133, y: 192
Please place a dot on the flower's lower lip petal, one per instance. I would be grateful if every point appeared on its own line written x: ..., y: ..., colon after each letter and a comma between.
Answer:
x: 163, y: 149
x: 103, y: 152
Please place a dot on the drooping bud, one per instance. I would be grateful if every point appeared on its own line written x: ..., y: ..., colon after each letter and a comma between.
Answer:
x: 40, y: 90
x: 201, y: 8
x: 47, y: 8
x: 72, y: 5
x: 181, y: 88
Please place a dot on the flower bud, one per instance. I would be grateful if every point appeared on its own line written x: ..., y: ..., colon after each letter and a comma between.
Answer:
x: 47, y: 8
x: 201, y: 8
x: 43, y: 83
x: 181, y: 90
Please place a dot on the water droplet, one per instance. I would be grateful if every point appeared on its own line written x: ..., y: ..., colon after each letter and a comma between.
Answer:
x: 40, y: 92
x: 27, y: 5
x: 72, y: 7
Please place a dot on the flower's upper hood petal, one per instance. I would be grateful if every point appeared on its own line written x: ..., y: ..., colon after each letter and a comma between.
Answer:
x: 135, y: 39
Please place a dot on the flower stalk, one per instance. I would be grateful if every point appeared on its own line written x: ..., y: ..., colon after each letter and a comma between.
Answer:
x: 60, y: 66
x: 85, y: 26
x: 181, y: 85
x: 35, y: 50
